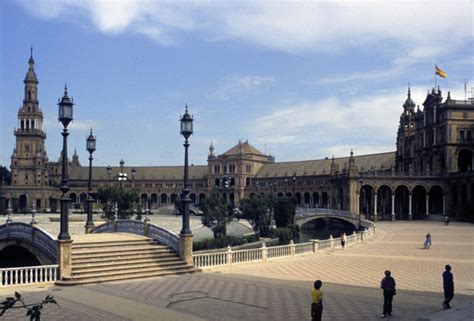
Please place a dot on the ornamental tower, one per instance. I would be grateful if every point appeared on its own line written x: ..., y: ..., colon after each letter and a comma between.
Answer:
x: 29, y: 160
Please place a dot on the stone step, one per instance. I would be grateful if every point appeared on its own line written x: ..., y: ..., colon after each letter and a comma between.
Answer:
x: 127, y: 257
x: 125, y: 277
x: 118, y: 250
x: 131, y: 271
x: 86, y: 245
x: 125, y: 261
x: 120, y: 267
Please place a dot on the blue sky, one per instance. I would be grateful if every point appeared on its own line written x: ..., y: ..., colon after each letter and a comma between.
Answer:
x: 298, y: 80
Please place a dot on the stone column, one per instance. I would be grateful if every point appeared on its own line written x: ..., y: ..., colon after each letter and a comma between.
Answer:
x: 393, y: 206
x: 410, y: 214
x: 375, y: 206
x: 64, y: 256
x: 444, y: 204
x: 427, y: 204
x: 186, y: 248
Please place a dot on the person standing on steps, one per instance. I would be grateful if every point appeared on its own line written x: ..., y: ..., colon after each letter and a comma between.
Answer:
x: 317, y: 301
x: 448, y: 286
x: 388, y: 286
x: 343, y: 240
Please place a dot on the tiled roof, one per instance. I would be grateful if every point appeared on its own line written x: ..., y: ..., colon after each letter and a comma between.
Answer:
x: 142, y: 172
x: 323, y: 166
x: 246, y: 149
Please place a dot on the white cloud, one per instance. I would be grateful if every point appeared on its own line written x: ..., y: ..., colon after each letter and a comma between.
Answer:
x: 419, y: 29
x: 53, y: 123
x: 241, y: 86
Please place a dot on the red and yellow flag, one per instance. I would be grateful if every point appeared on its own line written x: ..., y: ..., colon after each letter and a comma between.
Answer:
x: 439, y: 72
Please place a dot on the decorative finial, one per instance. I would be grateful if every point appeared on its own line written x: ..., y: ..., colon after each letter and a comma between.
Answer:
x: 31, y: 61
x: 352, y: 152
x: 186, y: 107
x: 65, y: 89
x: 409, y: 92
x: 91, y: 130
x: 31, y: 52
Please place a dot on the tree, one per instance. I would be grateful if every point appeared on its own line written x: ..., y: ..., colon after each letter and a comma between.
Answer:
x: 283, y: 211
x: 126, y: 199
x: 256, y: 210
x: 33, y: 311
x: 217, y: 213
x: 5, y: 175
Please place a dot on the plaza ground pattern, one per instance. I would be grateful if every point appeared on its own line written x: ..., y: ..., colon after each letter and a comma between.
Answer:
x: 280, y: 289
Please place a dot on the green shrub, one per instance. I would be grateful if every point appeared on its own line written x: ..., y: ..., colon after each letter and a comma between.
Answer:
x: 284, y: 235
x: 222, y: 242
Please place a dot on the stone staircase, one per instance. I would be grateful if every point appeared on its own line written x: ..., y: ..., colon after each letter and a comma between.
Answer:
x: 108, y: 257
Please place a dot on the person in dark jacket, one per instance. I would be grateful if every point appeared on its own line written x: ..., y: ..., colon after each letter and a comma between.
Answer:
x: 448, y: 286
x: 388, y: 286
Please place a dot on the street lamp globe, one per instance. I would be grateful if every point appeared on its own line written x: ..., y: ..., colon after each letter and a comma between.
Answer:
x: 65, y: 109
x: 186, y: 124
x: 91, y: 143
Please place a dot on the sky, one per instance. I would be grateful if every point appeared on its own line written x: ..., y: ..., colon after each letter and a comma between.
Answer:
x: 298, y: 80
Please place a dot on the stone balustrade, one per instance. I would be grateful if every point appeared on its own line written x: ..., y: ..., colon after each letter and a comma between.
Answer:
x: 28, y: 275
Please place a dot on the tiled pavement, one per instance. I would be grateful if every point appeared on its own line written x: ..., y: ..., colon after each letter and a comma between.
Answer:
x: 279, y: 290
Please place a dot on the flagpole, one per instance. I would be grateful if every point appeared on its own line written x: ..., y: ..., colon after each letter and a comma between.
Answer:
x: 435, y: 78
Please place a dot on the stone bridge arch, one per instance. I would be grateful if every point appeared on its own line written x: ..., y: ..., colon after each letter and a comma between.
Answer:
x: 34, y: 239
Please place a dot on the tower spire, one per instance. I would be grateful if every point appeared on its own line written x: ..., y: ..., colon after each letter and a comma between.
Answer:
x: 31, y: 61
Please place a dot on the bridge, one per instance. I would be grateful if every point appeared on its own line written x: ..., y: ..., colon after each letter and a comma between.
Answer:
x: 305, y: 215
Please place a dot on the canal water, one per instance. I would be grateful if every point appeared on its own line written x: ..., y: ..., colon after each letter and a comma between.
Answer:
x: 321, y: 229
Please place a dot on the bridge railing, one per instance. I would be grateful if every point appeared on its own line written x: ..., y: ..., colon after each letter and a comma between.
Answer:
x: 28, y: 275
x: 230, y: 257
x: 153, y: 231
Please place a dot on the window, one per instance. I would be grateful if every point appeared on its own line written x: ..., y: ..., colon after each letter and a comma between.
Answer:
x: 469, y: 135
x: 461, y: 135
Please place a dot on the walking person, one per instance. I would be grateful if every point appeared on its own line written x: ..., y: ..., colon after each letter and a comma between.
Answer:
x: 388, y: 286
x: 317, y: 301
x: 427, y: 243
x: 448, y: 286
x: 446, y: 220
x: 343, y: 240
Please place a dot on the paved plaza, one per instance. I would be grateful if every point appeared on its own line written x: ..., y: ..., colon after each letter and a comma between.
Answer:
x: 280, y: 289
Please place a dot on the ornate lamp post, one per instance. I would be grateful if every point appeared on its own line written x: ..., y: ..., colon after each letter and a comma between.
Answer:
x: 361, y: 200
x: 121, y: 176
x: 65, y: 117
x: 109, y: 171
x: 90, y: 146
x: 64, y: 239
x: 185, y: 244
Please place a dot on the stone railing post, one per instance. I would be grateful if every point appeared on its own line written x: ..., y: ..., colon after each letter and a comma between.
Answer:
x: 264, y: 251
x: 354, y: 233
x: 186, y: 248
x: 362, y: 236
x: 146, y: 228
x: 315, y: 245
x: 292, y: 248
x: 64, y: 258
x: 332, y: 242
x: 229, y: 255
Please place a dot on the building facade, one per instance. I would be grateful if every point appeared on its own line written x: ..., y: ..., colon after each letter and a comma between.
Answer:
x: 430, y: 173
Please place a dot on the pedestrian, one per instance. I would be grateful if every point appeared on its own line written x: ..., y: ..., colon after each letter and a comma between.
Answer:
x: 343, y: 240
x: 448, y: 286
x: 388, y: 285
x: 317, y: 301
x: 446, y: 220
x: 427, y: 243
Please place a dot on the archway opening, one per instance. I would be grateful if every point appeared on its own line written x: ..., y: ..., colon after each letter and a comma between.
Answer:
x: 298, y: 198
x: 384, y: 199
x: 419, y: 202
x: 325, y: 199
x: 316, y: 199
x: 465, y: 160
x: 402, y: 202
x: 306, y: 199
x: 17, y: 256
x: 22, y: 203
x: 163, y: 199
x: 436, y: 200
x: 366, y: 201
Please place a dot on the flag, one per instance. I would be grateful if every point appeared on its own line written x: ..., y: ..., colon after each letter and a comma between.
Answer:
x: 439, y: 72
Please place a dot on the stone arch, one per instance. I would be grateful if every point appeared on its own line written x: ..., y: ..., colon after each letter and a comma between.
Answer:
x: 465, y: 160
x: 202, y: 197
x: 324, y: 199
x: 192, y: 196
x: 384, y: 202
x: 316, y: 199
x: 53, y: 204
x: 163, y: 199
x: 217, y: 182
x: 289, y: 195
x: 402, y: 202
x: 22, y: 202
x: 340, y: 198
x: 307, y: 198
x: 298, y: 198
x: 436, y: 200
x: 419, y: 201
x: 174, y: 198
x: 15, y: 255
x: 154, y: 199
x: 143, y: 197
x: 247, y: 182
x: 280, y: 194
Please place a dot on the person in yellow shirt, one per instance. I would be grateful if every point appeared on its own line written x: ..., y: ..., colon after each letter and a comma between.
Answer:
x: 317, y: 301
